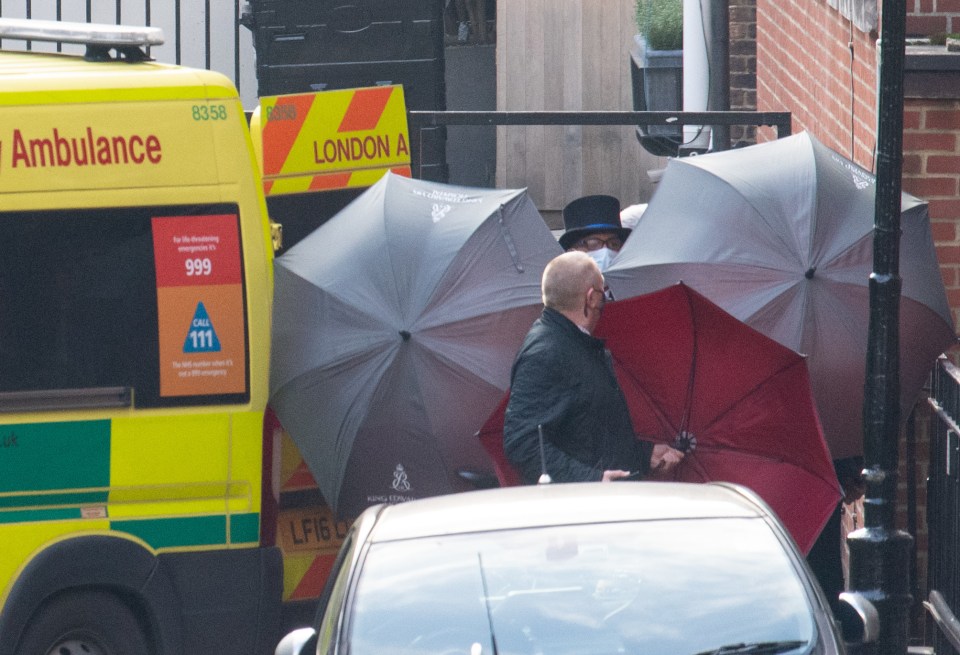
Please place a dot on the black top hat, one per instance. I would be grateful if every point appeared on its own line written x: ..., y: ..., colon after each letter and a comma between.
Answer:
x: 591, y: 214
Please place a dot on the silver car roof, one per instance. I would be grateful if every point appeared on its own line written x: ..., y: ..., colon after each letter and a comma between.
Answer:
x: 560, y: 504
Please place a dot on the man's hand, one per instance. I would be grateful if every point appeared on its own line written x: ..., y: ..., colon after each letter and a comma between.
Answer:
x: 853, y: 489
x: 850, y: 474
x: 617, y: 474
x: 664, y: 458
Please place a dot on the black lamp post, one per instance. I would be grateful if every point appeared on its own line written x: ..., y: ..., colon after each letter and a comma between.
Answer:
x: 879, y: 553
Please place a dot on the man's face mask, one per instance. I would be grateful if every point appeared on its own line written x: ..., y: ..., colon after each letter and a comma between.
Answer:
x: 603, y: 257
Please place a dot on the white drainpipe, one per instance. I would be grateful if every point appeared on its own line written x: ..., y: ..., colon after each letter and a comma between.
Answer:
x: 696, y: 75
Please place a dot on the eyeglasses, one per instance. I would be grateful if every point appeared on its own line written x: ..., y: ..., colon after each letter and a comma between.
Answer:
x: 604, y: 293
x: 614, y: 243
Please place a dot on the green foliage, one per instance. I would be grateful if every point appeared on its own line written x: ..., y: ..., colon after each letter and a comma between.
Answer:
x: 940, y: 38
x: 661, y: 23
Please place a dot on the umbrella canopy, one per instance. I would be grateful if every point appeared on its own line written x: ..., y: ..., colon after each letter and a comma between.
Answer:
x: 395, y: 325
x: 780, y: 235
x: 736, y: 401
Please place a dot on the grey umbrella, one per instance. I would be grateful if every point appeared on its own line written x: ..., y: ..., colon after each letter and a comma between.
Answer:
x: 780, y: 235
x: 395, y: 326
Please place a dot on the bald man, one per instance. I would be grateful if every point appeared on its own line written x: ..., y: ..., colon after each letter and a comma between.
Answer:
x: 563, y: 380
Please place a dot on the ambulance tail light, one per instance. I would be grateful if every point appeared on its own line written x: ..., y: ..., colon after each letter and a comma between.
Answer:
x: 270, y: 487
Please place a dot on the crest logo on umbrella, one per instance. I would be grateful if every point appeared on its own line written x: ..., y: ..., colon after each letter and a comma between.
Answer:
x: 439, y: 211
x: 400, y: 480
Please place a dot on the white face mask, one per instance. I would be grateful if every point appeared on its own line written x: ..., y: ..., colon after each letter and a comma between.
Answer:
x: 603, y: 257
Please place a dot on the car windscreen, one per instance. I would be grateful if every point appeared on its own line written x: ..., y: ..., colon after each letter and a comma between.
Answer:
x: 675, y: 587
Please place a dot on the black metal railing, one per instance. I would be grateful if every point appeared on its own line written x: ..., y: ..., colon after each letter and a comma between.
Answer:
x: 943, y: 491
x: 779, y: 120
x: 430, y: 164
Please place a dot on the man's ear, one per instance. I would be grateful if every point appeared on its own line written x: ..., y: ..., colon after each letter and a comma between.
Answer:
x: 594, y: 296
x: 588, y: 303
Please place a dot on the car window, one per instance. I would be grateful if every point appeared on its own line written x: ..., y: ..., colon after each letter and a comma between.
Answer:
x: 658, y: 588
x: 331, y: 600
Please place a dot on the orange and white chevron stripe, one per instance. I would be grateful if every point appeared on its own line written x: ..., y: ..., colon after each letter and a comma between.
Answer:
x: 333, y: 139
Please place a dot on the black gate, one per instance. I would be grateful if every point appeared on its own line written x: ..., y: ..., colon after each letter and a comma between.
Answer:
x: 199, y: 33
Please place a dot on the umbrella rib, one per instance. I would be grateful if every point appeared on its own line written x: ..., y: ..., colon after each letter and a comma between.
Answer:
x: 508, y: 240
x: 708, y: 448
x: 696, y: 464
x: 728, y: 448
x: 691, y: 378
x: 752, y: 391
x: 769, y: 458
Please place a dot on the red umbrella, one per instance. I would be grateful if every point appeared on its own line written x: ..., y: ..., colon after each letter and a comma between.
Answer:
x: 735, y: 400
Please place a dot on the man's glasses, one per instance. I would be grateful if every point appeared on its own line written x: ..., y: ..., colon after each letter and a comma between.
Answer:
x: 596, y: 243
x: 604, y: 293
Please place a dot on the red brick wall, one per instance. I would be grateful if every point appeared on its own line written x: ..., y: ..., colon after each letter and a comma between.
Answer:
x: 743, y: 65
x: 813, y: 63
x: 926, y: 17
x: 931, y: 170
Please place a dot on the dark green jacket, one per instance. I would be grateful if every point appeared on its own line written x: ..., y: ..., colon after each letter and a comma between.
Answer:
x: 563, y: 380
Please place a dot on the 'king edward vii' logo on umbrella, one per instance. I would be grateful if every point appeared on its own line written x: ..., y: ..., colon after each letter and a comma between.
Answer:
x: 439, y: 211
x: 400, y: 480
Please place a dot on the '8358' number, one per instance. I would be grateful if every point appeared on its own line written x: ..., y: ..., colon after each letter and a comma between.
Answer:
x: 209, y: 112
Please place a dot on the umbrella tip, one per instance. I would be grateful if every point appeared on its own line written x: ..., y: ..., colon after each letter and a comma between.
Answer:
x: 404, y: 335
x: 810, y: 272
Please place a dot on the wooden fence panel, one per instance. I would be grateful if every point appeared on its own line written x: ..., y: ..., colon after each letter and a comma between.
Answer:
x: 568, y: 55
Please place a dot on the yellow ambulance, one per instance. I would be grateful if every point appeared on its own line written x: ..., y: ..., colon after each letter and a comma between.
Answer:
x: 135, y: 290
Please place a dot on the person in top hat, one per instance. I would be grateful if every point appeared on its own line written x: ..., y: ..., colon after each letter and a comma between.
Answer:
x: 592, y: 225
